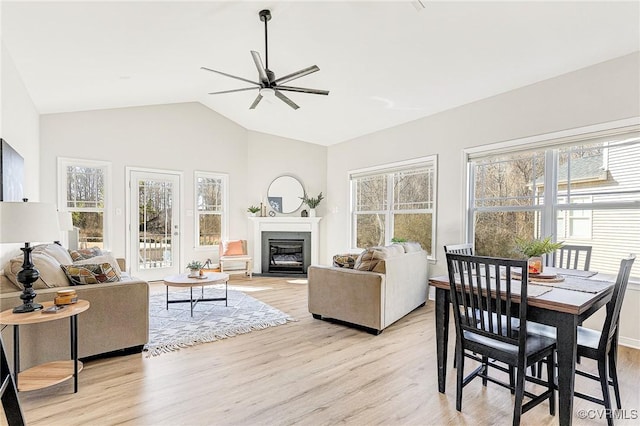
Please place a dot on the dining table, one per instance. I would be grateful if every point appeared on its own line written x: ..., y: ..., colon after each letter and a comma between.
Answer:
x: 564, y: 303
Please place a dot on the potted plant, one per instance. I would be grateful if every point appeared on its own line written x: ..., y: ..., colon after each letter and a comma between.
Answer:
x: 312, y: 203
x: 253, y: 210
x: 533, y: 249
x: 195, y: 266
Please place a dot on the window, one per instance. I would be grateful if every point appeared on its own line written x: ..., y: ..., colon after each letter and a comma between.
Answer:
x: 583, y: 192
x: 211, y: 206
x: 394, y: 201
x: 83, y: 191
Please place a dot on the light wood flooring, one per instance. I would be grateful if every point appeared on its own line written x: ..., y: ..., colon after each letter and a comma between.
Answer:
x: 308, y: 372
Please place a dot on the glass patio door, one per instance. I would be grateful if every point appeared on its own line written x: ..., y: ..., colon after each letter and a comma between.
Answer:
x: 154, y: 217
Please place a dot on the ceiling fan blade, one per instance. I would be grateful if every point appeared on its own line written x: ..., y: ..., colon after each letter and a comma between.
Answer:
x: 256, y: 101
x: 233, y: 90
x: 286, y: 100
x: 229, y: 75
x: 303, y: 90
x: 262, y: 72
x: 297, y: 74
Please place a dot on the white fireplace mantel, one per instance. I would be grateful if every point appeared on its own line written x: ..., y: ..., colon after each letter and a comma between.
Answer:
x: 257, y: 225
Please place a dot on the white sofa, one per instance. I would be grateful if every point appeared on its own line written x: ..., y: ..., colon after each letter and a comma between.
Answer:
x: 374, y: 299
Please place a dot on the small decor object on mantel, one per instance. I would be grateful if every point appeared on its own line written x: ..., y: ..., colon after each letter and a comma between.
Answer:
x: 272, y: 213
x: 312, y: 203
x: 304, y: 213
x: 253, y: 210
x: 533, y: 249
x: 195, y: 266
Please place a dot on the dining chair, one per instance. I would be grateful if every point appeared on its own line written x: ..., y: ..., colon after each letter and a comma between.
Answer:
x: 570, y: 257
x: 492, y: 325
x: 464, y: 248
x: 601, y: 346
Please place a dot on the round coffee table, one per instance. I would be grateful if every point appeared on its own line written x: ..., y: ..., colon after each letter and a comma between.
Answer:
x: 210, y: 278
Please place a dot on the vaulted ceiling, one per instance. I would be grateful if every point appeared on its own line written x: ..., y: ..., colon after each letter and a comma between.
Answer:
x: 384, y: 63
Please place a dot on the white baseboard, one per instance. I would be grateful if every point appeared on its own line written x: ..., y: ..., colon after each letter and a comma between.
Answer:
x: 630, y: 343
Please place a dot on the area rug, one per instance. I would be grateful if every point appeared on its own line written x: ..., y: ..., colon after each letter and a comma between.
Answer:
x: 174, y: 328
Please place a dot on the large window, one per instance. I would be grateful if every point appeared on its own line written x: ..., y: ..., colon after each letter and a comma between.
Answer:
x: 83, y: 192
x: 396, y: 201
x: 584, y: 192
x: 211, y: 190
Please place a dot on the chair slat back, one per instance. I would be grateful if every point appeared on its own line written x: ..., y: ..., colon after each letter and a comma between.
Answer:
x: 571, y: 257
x: 475, y: 310
x: 465, y: 248
x: 615, y: 304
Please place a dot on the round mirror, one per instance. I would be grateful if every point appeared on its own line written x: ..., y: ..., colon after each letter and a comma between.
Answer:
x: 284, y: 194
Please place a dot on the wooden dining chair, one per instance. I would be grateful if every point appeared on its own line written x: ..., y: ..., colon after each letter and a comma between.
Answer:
x: 490, y: 325
x: 570, y: 257
x: 601, y: 346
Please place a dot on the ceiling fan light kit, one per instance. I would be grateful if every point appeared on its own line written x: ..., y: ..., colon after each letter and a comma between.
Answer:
x: 268, y: 85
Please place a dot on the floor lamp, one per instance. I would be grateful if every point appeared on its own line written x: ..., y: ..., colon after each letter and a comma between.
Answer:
x: 28, y: 222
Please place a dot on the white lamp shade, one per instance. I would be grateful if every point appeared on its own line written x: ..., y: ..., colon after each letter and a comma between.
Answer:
x: 65, y: 221
x: 22, y: 222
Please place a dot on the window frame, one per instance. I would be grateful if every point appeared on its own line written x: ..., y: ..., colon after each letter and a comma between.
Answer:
x: 223, y: 212
x: 107, y: 225
x: 389, y: 169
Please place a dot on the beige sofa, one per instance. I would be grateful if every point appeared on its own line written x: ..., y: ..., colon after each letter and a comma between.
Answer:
x: 374, y: 299
x: 117, y: 320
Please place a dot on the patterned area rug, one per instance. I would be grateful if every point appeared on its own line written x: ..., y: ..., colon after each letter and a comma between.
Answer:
x: 173, y: 329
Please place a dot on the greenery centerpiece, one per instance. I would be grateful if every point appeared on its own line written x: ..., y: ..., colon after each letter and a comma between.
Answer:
x: 312, y: 203
x: 534, y: 249
x: 253, y: 210
x: 195, y: 266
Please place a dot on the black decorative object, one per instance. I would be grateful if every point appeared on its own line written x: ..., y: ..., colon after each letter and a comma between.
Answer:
x: 304, y: 213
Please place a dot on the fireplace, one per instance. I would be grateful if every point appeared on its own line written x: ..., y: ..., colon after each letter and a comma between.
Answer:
x: 286, y: 252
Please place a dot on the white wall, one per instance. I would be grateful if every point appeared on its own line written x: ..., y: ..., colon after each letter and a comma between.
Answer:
x: 604, y: 92
x: 19, y: 126
x: 179, y: 137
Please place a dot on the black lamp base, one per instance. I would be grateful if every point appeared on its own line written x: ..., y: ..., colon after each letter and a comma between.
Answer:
x: 27, y: 307
x: 27, y: 276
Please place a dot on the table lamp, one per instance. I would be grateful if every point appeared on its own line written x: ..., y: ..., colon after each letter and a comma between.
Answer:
x: 28, y: 222
x: 66, y: 224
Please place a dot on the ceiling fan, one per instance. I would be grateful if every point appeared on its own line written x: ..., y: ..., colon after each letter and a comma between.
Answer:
x: 268, y: 84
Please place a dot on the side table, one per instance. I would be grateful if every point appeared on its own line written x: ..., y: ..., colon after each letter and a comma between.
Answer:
x: 54, y: 372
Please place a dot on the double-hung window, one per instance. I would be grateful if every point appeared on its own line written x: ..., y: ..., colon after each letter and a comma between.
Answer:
x: 83, y: 191
x: 211, y: 208
x: 394, y: 202
x: 585, y: 191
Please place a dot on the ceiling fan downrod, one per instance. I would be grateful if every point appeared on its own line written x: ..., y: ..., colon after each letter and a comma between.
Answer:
x: 265, y: 16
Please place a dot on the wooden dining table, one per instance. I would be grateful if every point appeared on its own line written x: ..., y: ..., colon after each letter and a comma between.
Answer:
x: 562, y: 308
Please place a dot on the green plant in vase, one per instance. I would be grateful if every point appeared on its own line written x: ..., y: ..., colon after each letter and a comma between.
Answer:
x: 312, y: 203
x: 253, y: 210
x: 534, y: 249
x: 195, y: 266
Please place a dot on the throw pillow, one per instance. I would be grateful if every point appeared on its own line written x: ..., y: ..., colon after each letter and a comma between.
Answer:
x: 56, y: 251
x: 366, y: 261
x: 105, y: 258
x: 82, y: 254
x: 49, y: 269
x: 90, y: 273
x: 344, y: 260
x: 411, y: 246
x: 232, y: 248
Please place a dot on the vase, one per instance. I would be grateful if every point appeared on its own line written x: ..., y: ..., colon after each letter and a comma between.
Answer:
x: 535, y: 265
x: 312, y: 212
x: 194, y: 273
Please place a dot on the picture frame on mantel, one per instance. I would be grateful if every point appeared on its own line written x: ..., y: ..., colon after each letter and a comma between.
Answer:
x: 11, y: 173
